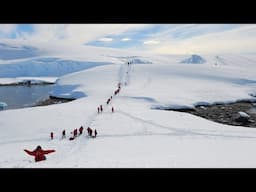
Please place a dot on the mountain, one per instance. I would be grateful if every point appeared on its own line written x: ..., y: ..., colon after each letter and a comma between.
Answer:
x: 194, y: 59
x: 9, y: 52
x: 45, y: 66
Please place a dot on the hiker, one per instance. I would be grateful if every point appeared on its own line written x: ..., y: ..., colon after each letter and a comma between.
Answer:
x: 95, y: 133
x: 108, y: 101
x: 98, y: 110
x: 63, y: 134
x: 112, y: 109
x: 89, y: 130
x: 81, y: 130
x: 75, y: 133
x: 101, y: 109
x: 39, y: 153
x: 51, y: 135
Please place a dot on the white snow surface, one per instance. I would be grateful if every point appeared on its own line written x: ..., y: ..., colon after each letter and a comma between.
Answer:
x: 137, y: 134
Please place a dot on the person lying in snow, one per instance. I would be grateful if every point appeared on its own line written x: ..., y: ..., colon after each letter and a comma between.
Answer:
x: 39, y: 153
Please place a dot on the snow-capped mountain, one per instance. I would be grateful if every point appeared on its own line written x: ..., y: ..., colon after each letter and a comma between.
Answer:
x: 9, y: 52
x: 46, y: 66
x: 194, y: 59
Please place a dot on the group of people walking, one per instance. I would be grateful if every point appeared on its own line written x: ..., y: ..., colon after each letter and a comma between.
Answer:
x: 75, y: 133
x: 39, y: 153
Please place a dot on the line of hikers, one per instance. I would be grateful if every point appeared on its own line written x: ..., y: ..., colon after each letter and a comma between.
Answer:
x: 100, y: 108
x: 75, y: 133
x: 39, y: 153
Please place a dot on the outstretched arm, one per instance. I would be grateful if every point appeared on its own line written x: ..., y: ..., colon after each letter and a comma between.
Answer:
x: 48, y: 151
x: 29, y: 152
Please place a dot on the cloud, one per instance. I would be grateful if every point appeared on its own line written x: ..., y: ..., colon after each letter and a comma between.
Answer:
x: 125, y: 39
x: 106, y: 39
x: 158, y: 38
x: 151, y: 42
x: 78, y: 33
x: 7, y: 29
x: 237, y: 39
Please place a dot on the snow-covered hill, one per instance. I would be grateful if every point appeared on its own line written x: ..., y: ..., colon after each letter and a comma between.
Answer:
x: 136, y: 134
x: 9, y: 52
x: 55, y: 67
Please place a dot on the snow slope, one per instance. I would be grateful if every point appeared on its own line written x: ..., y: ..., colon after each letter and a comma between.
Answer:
x: 8, y: 51
x: 136, y: 134
x: 53, y: 67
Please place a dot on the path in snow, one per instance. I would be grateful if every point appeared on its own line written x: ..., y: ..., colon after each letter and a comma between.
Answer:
x: 124, y: 79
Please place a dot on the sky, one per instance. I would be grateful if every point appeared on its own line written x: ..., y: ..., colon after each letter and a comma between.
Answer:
x: 156, y: 38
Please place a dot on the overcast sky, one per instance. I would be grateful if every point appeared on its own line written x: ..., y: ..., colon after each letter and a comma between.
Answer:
x: 158, y: 38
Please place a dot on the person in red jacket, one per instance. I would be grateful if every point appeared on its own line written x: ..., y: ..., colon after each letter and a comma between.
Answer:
x: 95, y: 133
x: 39, y: 153
x: 63, y: 134
x: 81, y: 130
x: 75, y: 133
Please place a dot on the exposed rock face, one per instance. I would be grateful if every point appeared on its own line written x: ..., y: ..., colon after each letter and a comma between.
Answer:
x: 240, y: 113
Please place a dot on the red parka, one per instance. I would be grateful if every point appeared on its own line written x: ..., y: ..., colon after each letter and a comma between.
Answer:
x: 39, y: 154
x: 81, y: 130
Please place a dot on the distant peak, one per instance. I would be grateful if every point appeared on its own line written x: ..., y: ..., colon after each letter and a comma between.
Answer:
x: 194, y: 59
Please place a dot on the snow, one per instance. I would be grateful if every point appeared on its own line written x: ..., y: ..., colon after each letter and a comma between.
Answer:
x: 45, y: 67
x: 17, y: 51
x: 243, y: 114
x: 136, y: 134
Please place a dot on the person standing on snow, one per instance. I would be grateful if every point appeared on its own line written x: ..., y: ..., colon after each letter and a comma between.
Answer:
x: 112, y: 109
x: 101, y: 108
x: 98, y: 110
x: 89, y: 130
x: 81, y: 130
x: 39, y: 153
x: 75, y: 133
x: 63, y: 134
x: 51, y: 135
x: 95, y: 133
